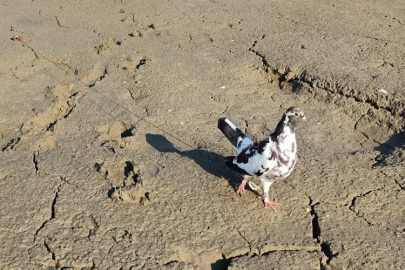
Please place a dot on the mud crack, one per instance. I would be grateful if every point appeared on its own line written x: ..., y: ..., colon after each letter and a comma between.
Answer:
x: 316, y: 234
x: 52, y: 254
x: 226, y: 261
x: 244, y: 238
x: 353, y: 203
x: 266, y: 65
x: 53, y: 213
x: 251, y: 49
x: 391, y: 111
x: 130, y: 93
x: 396, y: 181
x: 35, y: 54
x: 58, y: 23
x: 11, y: 144
x: 58, y: 264
x: 35, y: 160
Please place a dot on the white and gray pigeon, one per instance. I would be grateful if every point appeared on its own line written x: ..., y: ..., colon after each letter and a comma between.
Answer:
x: 270, y: 159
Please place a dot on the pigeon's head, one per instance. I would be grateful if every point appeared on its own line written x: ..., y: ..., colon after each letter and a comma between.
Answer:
x: 295, y: 114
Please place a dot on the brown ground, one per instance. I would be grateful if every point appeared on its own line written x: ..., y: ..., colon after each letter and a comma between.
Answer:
x: 87, y: 184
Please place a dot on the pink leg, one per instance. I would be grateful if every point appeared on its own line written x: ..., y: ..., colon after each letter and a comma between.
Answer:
x: 269, y: 203
x: 242, y: 186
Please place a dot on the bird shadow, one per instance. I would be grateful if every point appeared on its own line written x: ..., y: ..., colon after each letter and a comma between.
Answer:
x: 211, y: 162
x: 387, y: 149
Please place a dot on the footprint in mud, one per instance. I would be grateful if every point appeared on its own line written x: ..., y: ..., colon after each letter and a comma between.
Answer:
x: 133, y: 63
x: 105, y: 47
x: 132, y: 194
x: 126, y: 183
x: 116, y: 135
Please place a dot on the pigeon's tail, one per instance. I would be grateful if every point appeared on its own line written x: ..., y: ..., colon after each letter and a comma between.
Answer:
x: 232, y: 132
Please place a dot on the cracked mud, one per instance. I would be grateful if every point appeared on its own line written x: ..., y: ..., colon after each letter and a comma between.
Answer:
x: 110, y: 157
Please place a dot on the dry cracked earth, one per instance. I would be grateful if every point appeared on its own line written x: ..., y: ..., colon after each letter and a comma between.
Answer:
x: 110, y: 157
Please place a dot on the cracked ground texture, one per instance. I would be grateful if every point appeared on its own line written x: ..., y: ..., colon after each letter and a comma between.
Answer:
x: 110, y: 157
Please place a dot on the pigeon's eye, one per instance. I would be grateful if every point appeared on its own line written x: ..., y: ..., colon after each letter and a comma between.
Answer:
x: 296, y: 114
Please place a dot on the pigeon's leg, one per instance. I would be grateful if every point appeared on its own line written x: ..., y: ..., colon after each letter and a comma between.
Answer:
x: 242, y: 186
x: 266, y: 200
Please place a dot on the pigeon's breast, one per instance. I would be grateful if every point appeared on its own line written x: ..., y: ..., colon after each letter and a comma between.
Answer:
x: 284, y: 156
x: 283, y: 167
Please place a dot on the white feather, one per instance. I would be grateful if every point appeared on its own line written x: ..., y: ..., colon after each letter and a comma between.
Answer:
x: 382, y: 91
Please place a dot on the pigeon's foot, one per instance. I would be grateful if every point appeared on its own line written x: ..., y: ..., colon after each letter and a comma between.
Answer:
x: 242, y: 186
x: 269, y: 203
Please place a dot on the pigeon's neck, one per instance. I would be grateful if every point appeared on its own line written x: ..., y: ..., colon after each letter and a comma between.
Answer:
x: 284, y: 126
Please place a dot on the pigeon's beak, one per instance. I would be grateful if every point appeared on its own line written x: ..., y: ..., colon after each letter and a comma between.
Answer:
x: 304, y: 119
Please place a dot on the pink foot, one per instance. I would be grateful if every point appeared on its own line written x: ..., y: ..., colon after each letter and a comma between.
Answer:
x: 270, y: 204
x: 242, y: 186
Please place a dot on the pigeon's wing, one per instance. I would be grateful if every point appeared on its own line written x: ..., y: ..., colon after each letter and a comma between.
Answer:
x: 254, y: 160
x: 229, y: 162
x: 233, y: 134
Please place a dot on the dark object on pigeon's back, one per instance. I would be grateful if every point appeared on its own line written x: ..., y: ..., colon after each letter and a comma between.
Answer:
x: 270, y: 159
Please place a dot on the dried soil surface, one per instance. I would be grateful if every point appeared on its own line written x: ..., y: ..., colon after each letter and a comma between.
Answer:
x: 110, y: 157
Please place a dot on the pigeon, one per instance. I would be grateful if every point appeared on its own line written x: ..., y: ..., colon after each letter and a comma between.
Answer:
x: 270, y: 159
